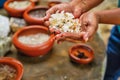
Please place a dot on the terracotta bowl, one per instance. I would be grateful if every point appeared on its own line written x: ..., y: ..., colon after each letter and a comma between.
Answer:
x: 16, y: 12
x: 35, y: 1
x: 81, y: 53
x: 15, y: 64
x: 35, y: 15
x: 33, y: 50
x: 52, y: 3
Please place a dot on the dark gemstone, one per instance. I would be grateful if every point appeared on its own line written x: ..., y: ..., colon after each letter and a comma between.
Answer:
x: 81, y: 55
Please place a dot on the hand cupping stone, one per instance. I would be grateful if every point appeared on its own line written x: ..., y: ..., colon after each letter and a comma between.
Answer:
x: 65, y: 22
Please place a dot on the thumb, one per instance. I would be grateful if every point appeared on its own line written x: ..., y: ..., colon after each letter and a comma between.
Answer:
x: 77, y: 12
x: 46, y: 18
x: 89, y: 33
x: 47, y: 23
x: 86, y: 37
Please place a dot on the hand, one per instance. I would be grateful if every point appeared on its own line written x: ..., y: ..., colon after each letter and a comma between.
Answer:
x: 76, y: 10
x: 89, y: 24
x: 67, y: 7
x: 54, y: 31
x: 71, y: 37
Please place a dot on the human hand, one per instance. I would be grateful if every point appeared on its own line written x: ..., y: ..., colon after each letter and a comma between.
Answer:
x: 67, y: 7
x: 71, y: 37
x: 74, y: 8
x: 89, y: 24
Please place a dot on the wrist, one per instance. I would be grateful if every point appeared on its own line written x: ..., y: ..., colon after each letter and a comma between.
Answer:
x: 75, y: 2
x: 97, y: 14
x: 79, y: 4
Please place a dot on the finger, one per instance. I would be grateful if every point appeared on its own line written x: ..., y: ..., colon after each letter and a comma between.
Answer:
x: 75, y: 36
x: 90, y: 32
x: 57, y: 31
x: 52, y: 10
x: 77, y: 12
x: 46, y: 18
x: 54, y: 30
x: 85, y: 37
x: 60, y: 41
x: 47, y: 23
x: 81, y: 19
x: 59, y: 38
x: 81, y: 22
x: 71, y: 37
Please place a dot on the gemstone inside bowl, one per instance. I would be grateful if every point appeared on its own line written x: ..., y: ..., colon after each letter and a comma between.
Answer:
x: 81, y: 53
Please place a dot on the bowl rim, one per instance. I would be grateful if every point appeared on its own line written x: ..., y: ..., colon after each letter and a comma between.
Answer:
x: 78, y: 60
x: 13, y: 9
x: 26, y: 13
x: 28, y: 47
x: 54, y: 1
x: 15, y: 63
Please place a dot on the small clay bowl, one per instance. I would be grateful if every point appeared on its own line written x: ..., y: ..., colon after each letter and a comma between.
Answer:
x: 37, y: 49
x: 52, y: 3
x: 81, y: 53
x: 35, y: 1
x: 13, y: 63
x: 35, y: 15
x: 16, y: 12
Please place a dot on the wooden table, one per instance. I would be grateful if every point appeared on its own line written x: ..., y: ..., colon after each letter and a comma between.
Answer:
x: 57, y: 65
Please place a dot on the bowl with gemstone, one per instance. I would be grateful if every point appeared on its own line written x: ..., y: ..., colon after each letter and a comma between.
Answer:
x: 81, y: 53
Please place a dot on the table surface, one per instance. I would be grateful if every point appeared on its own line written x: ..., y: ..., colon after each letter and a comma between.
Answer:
x: 56, y: 65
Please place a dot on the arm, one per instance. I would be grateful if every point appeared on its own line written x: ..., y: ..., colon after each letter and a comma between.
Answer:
x: 85, y: 4
x: 109, y: 16
x: 77, y: 7
x: 90, y: 20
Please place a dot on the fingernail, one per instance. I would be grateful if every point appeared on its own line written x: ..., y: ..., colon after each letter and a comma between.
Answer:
x: 86, y: 34
x: 86, y: 39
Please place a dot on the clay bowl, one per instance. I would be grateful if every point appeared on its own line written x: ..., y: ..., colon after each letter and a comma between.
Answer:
x: 35, y: 15
x: 81, y: 53
x: 15, y: 64
x: 52, y: 3
x: 15, y: 12
x: 35, y: 1
x: 37, y: 47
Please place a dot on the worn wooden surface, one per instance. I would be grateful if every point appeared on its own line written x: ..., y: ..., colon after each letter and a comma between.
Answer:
x: 56, y: 65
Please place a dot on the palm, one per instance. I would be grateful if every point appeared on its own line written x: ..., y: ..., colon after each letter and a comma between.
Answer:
x: 89, y: 22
